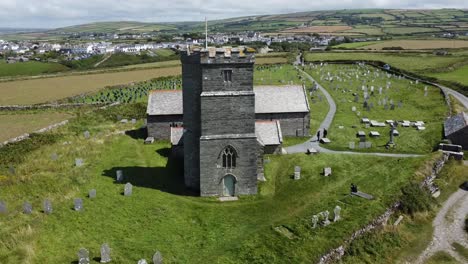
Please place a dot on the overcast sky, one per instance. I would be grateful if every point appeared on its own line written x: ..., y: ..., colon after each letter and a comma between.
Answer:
x: 59, y: 13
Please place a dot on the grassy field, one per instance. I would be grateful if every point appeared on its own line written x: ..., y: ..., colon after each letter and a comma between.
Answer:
x: 420, y: 44
x: 319, y: 29
x: 459, y: 75
x: 55, y: 88
x: 355, y: 45
x: 342, y: 84
x: 162, y: 215
x: 29, y: 68
x: 13, y: 125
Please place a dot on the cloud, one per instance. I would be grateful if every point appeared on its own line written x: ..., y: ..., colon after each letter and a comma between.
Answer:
x: 58, y: 13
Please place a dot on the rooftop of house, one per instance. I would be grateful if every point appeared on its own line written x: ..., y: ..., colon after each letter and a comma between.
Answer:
x: 268, y: 100
x: 455, y: 123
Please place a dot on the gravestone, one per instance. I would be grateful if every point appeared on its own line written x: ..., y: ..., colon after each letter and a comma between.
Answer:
x: 83, y: 256
x: 128, y: 189
x: 368, y: 145
x: 297, y: 173
x: 386, y: 107
x: 79, y: 162
x: 362, y: 145
x: 11, y: 170
x: 337, y: 212
x: 105, y: 253
x: 157, y: 258
x: 327, y: 171
x: 119, y: 117
x: 315, y: 220
x: 352, y: 145
x: 392, y: 107
x: 86, y: 134
x: 133, y: 121
x: 326, y: 221
x: 400, y: 104
x: 356, y: 98
x: 397, y: 222
x: 119, y: 176
x: 365, y: 104
x: 54, y: 156
x: 142, y: 261
x: 92, y: 194
x: 27, y: 208
x: 78, y: 204
x: 3, y: 207
x: 47, y: 206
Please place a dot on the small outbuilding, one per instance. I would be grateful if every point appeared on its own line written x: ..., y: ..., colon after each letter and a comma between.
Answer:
x: 456, y: 130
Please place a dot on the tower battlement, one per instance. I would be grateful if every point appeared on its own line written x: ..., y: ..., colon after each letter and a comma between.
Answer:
x: 225, y: 55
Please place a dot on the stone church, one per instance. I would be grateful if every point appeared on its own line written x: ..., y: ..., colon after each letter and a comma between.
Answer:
x: 221, y: 124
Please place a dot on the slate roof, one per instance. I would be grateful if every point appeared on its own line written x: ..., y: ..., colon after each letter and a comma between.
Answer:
x: 268, y: 99
x: 268, y: 132
x: 176, y: 136
x: 165, y: 102
x: 455, y: 123
x: 280, y: 99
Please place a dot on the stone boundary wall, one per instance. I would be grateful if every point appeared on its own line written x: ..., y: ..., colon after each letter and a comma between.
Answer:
x: 336, y: 254
x: 26, y: 135
x: 45, y: 106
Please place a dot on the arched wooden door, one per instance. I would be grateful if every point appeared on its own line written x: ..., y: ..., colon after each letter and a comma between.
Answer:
x: 229, y: 185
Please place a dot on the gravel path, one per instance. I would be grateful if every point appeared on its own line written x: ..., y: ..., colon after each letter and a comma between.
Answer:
x: 449, y: 228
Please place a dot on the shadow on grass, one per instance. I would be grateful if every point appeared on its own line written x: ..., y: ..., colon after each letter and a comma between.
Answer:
x: 137, y: 133
x: 168, y: 179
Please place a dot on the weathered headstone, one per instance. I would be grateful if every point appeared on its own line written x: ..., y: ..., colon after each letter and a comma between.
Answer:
x: 356, y: 98
x: 11, y: 170
x: 397, y: 222
x: 133, y: 121
x: 327, y: 171
x: 83, y: 256
x: 79, y: 162
x: 86, y: 134
x: 326, y: 221
x: 105, y: 253
x: 27, y: 208
x: 47, y: 206
x: 128, y: 189
x: 297, y: 173
x: 337, y: 212
x: 119, y: 176
x: 3, y: 207
x: 142, y: 261
x: 157, y: 258
x: 352, y: 145
x: 392, y: 107
x: 92, y: 194
x: 54, y: 156
x: 78, y: 204
x: 315, y: 220
x: 353, y: 109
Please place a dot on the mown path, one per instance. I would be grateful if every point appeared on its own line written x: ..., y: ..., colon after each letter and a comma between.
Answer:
x: 326, y: 123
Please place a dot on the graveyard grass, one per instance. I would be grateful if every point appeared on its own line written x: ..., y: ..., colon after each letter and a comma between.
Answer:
x: 416, y: 107
x: 162, y: 215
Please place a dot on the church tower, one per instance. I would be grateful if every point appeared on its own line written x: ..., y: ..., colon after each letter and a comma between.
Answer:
x: 220, y: 146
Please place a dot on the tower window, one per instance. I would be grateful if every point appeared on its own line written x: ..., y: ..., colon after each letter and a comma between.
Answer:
x: 227, y: 75
x: 229, y: 156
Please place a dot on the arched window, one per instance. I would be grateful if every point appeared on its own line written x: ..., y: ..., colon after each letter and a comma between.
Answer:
x: 228, y: 157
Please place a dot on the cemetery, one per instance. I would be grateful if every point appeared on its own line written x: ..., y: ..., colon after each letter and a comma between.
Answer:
x: 94, y: 192
x: 369, y: 99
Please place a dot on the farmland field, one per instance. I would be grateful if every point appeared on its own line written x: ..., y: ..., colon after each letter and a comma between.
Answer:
x: 420, y: 44
x: 13, y: 125
x: 29, y: 68
x: 355, y: 45
x: 459, y: 75
x: 408, y: 30
x: 319, y: 29
x: 50, y: 89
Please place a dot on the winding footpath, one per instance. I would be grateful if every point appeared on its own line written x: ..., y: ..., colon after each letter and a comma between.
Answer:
x: 326, y: 123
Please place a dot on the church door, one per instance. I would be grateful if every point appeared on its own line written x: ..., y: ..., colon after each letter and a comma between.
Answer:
x: 228, y: 185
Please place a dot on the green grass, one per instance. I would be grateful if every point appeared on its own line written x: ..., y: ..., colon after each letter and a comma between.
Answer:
x: 459, y: 75
x: 441, y: 258
x: 281, y: 74
x: 29, y: 68
x: 431, y: 109
x: 161, y: 214
x: 355, y: 45
x: 461, y: 250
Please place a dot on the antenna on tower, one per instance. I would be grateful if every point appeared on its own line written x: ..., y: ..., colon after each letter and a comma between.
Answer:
x: 206, y: 33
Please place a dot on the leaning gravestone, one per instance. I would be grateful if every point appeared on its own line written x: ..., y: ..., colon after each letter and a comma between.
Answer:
x: 78, y: 204
x: 92, y: 194
x: 119, y: 176
x: 79, y: 162
x: 315, y: 220
x: 128, y: 189
x: 3, y: 207
x: 47, y: 206
x: 83, y: 256
x: 327, y: 171
x: 157, y: 258
x: 297, y: 173
x: 27, y: 208
x: 105, y: 253
x: 86, y: 134
x: 142, y: 261
x: 337, y: 212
